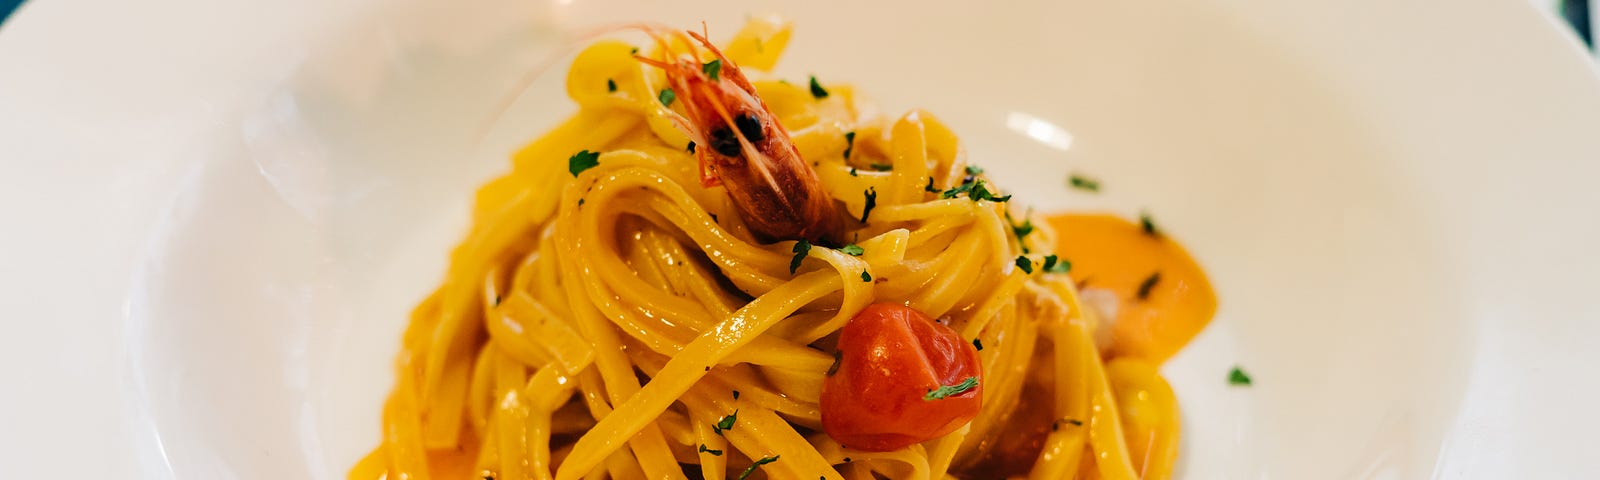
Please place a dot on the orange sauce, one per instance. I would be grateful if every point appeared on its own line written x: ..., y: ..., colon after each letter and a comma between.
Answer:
x: 1113, y: 254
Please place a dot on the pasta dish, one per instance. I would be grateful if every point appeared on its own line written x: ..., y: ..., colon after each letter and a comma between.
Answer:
x: 707, y: 272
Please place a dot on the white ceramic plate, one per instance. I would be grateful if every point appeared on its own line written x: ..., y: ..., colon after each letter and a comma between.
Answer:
x: 217, y: 213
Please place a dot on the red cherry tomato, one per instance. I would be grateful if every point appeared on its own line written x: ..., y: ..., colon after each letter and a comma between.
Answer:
x: 890, y: 358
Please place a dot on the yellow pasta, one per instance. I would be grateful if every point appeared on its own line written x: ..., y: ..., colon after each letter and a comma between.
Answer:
x: 609, y: 315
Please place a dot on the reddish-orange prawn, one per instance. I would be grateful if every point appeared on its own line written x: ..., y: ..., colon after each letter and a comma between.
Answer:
x: 743, y: 148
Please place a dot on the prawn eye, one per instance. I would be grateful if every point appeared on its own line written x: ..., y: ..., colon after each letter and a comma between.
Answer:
x: 724, y: 143
x: 750, y: 127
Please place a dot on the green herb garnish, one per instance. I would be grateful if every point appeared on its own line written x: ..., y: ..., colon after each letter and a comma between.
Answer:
x: 1083, y: 183
x: 1023, y: 230
x: 1238, y: 377
x: 712, y: 68
x: 948, y: 390
x: 1025, y: 264
x: 691, y: 146
x: 853, y: 171
x: 735, y: 394
x: 979, y: 192
x: 872, y: 201
x: 711, y: 451
x: 726, y: 423
x: 976, y: 343
x: 801, y: 249
x: 882, y: 167
x: 974, y: 170
x: 852, y: 249
x: 667, y: 96
x: 849, y: 143
x: 816, y: 88
x: 866, y: 277
x: 1056, y: 265
x: 583, y: 160
x: 930, y: 188
x: 1148, y: 283
x: 1148, y: 225
x: 752, y: 468
x: 611, y: 85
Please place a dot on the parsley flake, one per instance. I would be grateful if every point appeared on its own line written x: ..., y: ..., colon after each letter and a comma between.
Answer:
x: 712, y: 68
x: 735, y: 394
x: 816, y: 88
x: 974, y: 170
x: 1081, y: 182
x: 691, y: 146
x: 849, y: 143
x: 930, y: 188
x: 948, y: 390
x: 712, y: 451
x: 1052, y: 264
x: 752, y: 468
x: 1025, y: 264
x: 801, y: 249
x: 866, y: 277
x: 978, y: 344
x: 852, y: 249
x: 1238, y: 377
x: 611, y: 85
x: 1148, y: 224
x: 726, y: 423
x: 872, y: 202
x: 1023, y: 230
x: 853, y: 171
x: 583, y: 160
x: 667, y: 96
x: 882, y: 167
x: 979, y: 192
x: 1148, y: 283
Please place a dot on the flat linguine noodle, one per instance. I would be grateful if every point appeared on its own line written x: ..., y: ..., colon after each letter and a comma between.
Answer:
x: 609, y: 315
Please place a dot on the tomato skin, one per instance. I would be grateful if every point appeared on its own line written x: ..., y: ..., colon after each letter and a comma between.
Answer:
x: 890, y: 357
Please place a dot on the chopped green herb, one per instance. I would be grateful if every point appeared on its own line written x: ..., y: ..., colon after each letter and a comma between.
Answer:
x: 849, y: 143
x: 1056, y: 265
x: 735, y: 394
x: 816, y: 88
x: 853, y: 171
x: 1023, y: 230
x: 872, y: 201
x: 583, y: 160
x: 635, y: 51
x: 1147, y: 224
x: 691, y: 146
x: 580, y: 202
x: 611, y: 85
x: 948, y: 390
x: 866, y: 277
x: 1081, y: 182
x: 882, y: 167
x: 957, y: 191
x: 852, y: 249
x: 752, y: 468
x: 974, y: 170
x: 711, y: 451
x: 667, y: 96
x: 1238, y: 377
x: 976, y: 343
x: 712, y: 68
x: 1148, y: 283
x: 930, y: 188
x: 981, y: 193
x: 801, y: 249
x: 726, y: 423
x: 1025, y: 264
